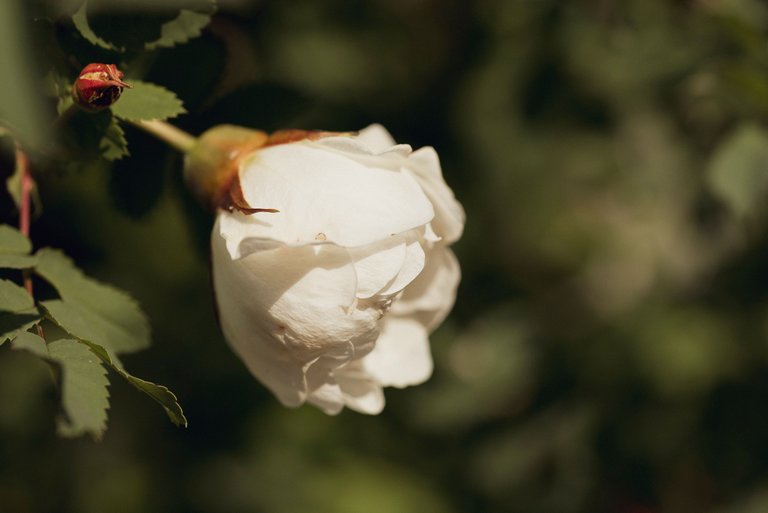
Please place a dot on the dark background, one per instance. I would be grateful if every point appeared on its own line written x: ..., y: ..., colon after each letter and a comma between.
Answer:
x: 607, y: 351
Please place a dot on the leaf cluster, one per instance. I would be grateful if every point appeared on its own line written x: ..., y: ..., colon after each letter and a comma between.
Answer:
x: 92, y: 323
x: 93, y: 36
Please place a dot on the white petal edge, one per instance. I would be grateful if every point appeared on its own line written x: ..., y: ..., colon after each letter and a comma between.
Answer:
x: 378, y: 264
x: 349, y: 386
x: 323, y: 196
x: 432, y: 294
x: 449, y: 214
x: 376, y: 137
x: 413, y: 264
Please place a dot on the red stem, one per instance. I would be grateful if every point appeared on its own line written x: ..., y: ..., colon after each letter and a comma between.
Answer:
x: 25, y: 210
x: 25, y: 213
x: 22, y: 162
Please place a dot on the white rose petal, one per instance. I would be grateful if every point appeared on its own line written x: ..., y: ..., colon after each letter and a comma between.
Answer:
x: 376, y: 137
x: 378, y: 264
x: 281, y: 309
x: 351, y: 386
x: 412, y: 266
x: 324, y: 196
x: 401, y: 356
x: 449, y: 215
x: 333, y: 297
x: 431, y: 295
x: 424, y: 164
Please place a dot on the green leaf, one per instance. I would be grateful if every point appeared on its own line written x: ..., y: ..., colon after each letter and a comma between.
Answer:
x: 32, y: 343
x: 84, y: 394
x: 187, y: 25
x: 12, y: 241
x: 11, y: 324
x: 80, y: 20
x: 14, y: 298
x: 162, y: 395
x: 86, y: 323
x: 95, y: 134
x: 113, y: 145
x: 10, y: 261
x: 159, y: 393
x: 147, y: 101
x: 738, y: 171
x: 90, y: 310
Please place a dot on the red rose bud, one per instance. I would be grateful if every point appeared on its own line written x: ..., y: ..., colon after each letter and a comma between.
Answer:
x: 98, y: 86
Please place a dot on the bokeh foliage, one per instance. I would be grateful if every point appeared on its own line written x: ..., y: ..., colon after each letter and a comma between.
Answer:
x: 607, y: 352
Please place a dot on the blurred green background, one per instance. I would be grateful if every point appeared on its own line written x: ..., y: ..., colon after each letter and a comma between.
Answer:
x: 608, y: 351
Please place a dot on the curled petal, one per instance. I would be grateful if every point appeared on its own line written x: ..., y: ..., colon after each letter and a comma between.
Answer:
x: 385, y: 268
x: 378, y: 264
x: 413, y: 263
x: 431, y: 295
x: 449, y: 214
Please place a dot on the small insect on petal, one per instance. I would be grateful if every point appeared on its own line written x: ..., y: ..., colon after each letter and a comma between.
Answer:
x: 98, y: 86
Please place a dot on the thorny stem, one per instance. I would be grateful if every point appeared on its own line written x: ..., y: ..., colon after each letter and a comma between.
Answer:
x: 25, y: 213
x: 174, y: 137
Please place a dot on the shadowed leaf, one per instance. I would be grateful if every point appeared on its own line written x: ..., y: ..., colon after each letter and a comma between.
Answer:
x: 14, y: 298
x: 80, y: 20
x: 11, y: 324
x: 84, y: 394
x: 90, y: 310
x: 113, y: 145
x: 12, y: 241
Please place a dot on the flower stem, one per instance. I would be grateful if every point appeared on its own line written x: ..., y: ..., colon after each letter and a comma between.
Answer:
x: 174, y: 137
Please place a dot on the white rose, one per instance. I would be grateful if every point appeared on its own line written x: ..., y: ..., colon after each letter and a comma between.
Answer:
x: 333, y: 297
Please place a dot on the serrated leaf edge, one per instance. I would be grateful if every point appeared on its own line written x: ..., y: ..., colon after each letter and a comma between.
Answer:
x: 175, y: 415
x: 167, y: 41
x: 181, y: 109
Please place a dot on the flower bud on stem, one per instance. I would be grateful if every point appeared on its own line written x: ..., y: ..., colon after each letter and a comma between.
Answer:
x: 98, y: 86
x: 212, y: 160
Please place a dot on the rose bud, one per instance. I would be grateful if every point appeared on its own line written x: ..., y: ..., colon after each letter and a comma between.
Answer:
x: 332, y: 265
x: 98, y: 86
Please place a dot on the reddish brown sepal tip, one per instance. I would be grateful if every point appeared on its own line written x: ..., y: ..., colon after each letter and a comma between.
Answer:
x: 238, y: 202
x: 98, y: 86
